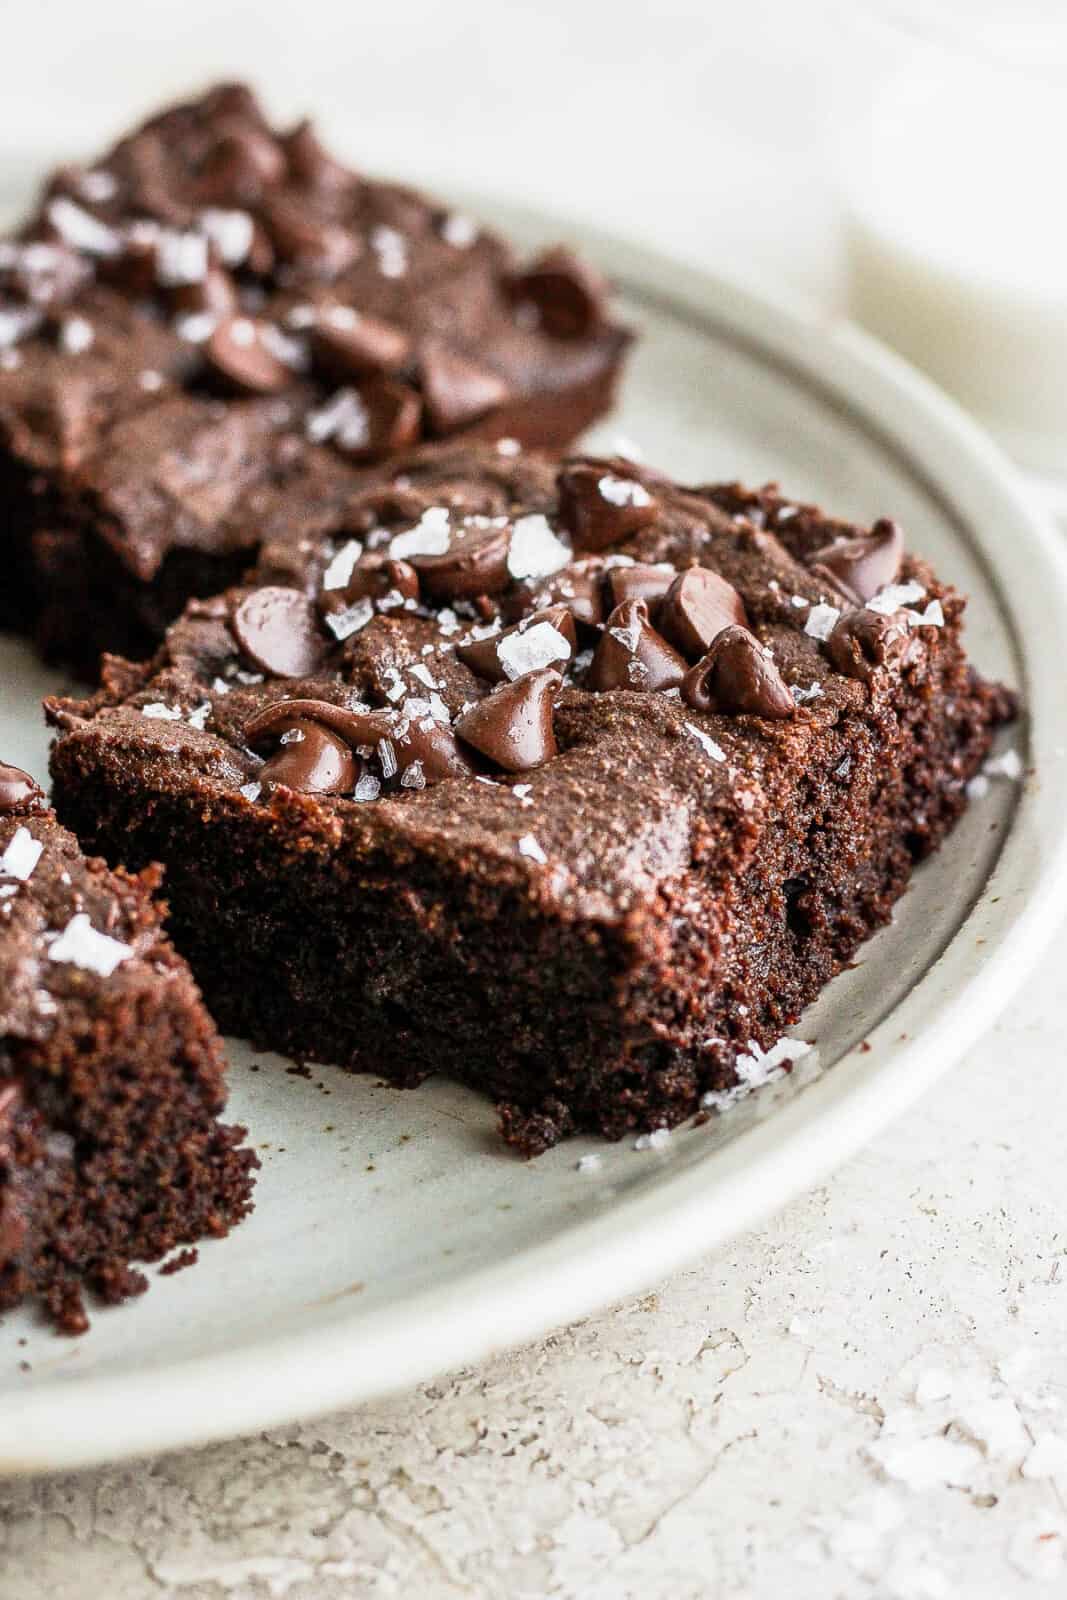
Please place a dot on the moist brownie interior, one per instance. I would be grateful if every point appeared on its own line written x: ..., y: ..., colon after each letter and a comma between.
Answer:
x: 566, y: 781
x: 205, y: 333
x: 111, y: 1077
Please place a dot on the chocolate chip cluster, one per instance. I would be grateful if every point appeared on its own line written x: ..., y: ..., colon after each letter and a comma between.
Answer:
x: 388, y: 317
x: 536, y: 600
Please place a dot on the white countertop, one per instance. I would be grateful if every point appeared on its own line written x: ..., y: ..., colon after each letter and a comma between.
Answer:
x: 867, y: 1397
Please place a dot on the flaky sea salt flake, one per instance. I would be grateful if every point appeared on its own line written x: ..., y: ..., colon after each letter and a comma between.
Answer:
x: 21, y: 856
x: 528, y: 846
x: 157, y: 711
x: 705, y: 741
x: 821, y: 621
x: 340, y: 568
x: 539, y: 646
x: 81, y: 945
x: 535, y: 551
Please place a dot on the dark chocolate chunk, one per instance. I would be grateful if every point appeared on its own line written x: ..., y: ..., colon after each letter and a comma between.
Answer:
x: 637, y: 582
x: 345, y: 344
x: 863, y: 641
x: 18, y: 791
x: 240, y: 166
x: 696, y: 607
x: 278, y: 630
x: 456, y: 389
x: 512, y: 726
x: 737, y: 676
x: 861, y: 566
x: 236, y: 353
x: 632, y: 655
x: 387, y: 416
x: 310, y: 758
x: 601, y: 506
x: 484, y: 656
x: 569, y: 295
x: 475, y: 563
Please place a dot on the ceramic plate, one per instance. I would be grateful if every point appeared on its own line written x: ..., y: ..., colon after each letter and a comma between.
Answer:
x: 393, y: 1235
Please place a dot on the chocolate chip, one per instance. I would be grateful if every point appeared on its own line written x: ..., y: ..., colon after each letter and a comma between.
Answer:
x: 457, y: 390
x: 354, y: 727
x: 864, y: 641
x: 696, y: 607
x: 237, y: 355
x: 322, y: 248
x: 312, y: 759
x: 278, y: 630
x: 134, y: 269
x: 513, y: 725
x: 345, y: 345
x: 18, y: 791
x: 632, y: 655
x: 637, y: 583
x: 389, y: 420
x: 579, y: 587
x: 520, y: 653
x: 310, y: 163
x: 475, y: 563
x: 213, y: 292
x: 240, y: 166
x: 736, y: 676
x: 570, y: 297
x: 373, y: 578
x: 600, y: 506
x: 860, y: 567
x: 433, y: 746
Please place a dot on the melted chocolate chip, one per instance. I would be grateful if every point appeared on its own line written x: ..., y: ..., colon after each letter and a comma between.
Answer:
x: 484, y: 656
x: 475, y: 563
x: 696, y: 607
x: 355, y: 727
x: 601, y: 507
x: 278, y: 630
x: 637, y: 583
x: 399, y: 741
x: 512, y: 727
x: 313, y: 759
x: 570, y: 297
x: 580, y: 587
x: 860, y: 567
x: 736, y: 676
x: 864, y: 641
x: 18, y: 791
x: 236, y: 353
x: 457, y: 390
x: 346, y: 345
x: 632, y: 655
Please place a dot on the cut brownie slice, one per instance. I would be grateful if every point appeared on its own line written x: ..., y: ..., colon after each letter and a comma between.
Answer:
x: 111, y: 1076
x: 208, y: 331
x: 567, y: 782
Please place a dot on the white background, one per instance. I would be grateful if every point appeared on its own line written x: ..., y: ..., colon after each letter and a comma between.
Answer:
x: 731, y: 1436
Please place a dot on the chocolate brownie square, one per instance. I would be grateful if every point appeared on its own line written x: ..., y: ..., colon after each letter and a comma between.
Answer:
x: 111, y: 1077
x: 566, y: 781
x: 217, y: 322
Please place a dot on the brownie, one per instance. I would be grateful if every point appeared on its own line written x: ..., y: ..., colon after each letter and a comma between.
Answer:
x: 562, y: 780
x: 111, y: 1077
x: 207, y: 333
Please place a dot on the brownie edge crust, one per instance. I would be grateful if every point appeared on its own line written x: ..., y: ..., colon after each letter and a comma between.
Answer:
x: 567, y: 782
x: 111, y: 1078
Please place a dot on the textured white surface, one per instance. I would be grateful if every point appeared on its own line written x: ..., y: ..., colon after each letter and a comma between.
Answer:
x: 867, y: 1398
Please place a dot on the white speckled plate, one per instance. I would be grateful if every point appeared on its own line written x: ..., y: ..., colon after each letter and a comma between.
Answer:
x: 393, y: 1235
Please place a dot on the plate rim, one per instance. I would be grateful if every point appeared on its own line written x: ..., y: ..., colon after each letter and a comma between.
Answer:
x: 358, y: 1355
